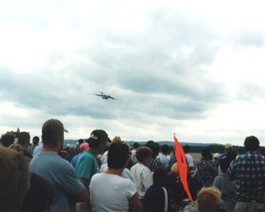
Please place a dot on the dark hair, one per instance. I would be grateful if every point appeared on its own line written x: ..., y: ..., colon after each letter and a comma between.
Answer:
x: 39, y: 196
x: 135, y: 145
x: 7, y: 139
x: 165, y: 149
x: 251, y: 143
x: 154, y: 147
x: 142, y: 153
x: 206, y: 154
x: 186, y: 148
x: 224, y: 164
x: 118, y: 155
x: 36, y: 140
x: 80, y: 141
x: 23, y: 138
x: 159, y: 177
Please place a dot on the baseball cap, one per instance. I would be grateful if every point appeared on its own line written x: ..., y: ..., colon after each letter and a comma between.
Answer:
x: 83, y: 146
x: 98, y: 136
x: 52, y: 126
x: 228, y: 146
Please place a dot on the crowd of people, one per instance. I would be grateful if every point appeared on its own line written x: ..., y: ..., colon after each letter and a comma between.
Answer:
x: 102, y: 174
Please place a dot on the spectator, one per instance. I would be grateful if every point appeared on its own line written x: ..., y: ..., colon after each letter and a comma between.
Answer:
x: 35, y: 142
x: 189, y: 158
x: 154, y: 163
x: 23, y: 140
x: 83, y: 146
x: 133, y: 152
x: 7, y: 139
x: 208, y: 200
x: 226, y: 186
x: 206, y: 171
x: 14, y: 179
x: 163, y: 156
x: 141, y: 174
x: 104, y: 157
x: 87, y: 164
x: 108, y: 190
x: 40, y: 195
x: 156, y: 196
x: 248, y: 171
x: 56, y: 170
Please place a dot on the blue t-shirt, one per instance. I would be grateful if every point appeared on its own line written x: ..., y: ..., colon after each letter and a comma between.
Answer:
x: 61, y: 174
x: 86, y: 166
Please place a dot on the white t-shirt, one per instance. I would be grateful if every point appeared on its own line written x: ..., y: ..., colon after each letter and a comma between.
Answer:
x: 142, y: 178
x: 125, y: 172
x: 189, y: 160
x: 164, y: 159
x: 109, y: 192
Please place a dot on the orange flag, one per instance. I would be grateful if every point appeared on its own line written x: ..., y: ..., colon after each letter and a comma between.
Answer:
x: 182, y: 166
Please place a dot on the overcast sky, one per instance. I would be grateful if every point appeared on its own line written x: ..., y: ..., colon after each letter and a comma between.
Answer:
x: 194, y: 68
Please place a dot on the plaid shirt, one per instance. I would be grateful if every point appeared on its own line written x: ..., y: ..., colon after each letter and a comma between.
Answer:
x: 249, y: 172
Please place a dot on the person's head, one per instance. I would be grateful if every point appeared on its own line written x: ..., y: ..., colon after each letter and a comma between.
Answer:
x: 14, y: 179
x: 35, y: 140
x: 83, y: 146
x: 7, y: 139
x: 251, y: 143
x: 80, y: 141
x: 208, y: 199
x: 143, y: 153
x: 224, y: 164
x: 118, y: 155
x: 216, y: 157
x: 228, y: 147
x: 159, y: 177
x: 135, y: 145
x: 53, y: 133
x: 165, y: 149
x: 154, y: 147
x: 186, y: 149
x: 23, y: 139
x: 206, y: 154
x: 98, y: 141
x: 116, y: 139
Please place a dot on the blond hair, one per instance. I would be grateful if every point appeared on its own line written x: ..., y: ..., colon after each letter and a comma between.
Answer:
x: 208, y: 199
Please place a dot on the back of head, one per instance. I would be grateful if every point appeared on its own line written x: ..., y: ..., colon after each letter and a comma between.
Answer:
x: 165, y: 149
x: 14, y: 179
x: 52, y: 129
x: 83, y: 146
x: 116, y: 139
x: 96, y: 137
x: 143, y: 153
x: 35, y: 140
x: 135, y: 145
x: 7, y: 139
x: 208, y: 199
x: 118, y: 155
x: 206, y: 153
x: 186, y: 148
x: 159, y: 177
x: 224, y: 164
x: 251, y: 143
x: 23, y: 138
x: 154, y: 147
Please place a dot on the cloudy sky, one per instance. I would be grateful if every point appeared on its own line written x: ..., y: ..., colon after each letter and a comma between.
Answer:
x: 194, y: 68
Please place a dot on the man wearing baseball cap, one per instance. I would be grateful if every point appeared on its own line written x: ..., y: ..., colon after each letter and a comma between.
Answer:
x: 87, y: 164
x: 59, y: 172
